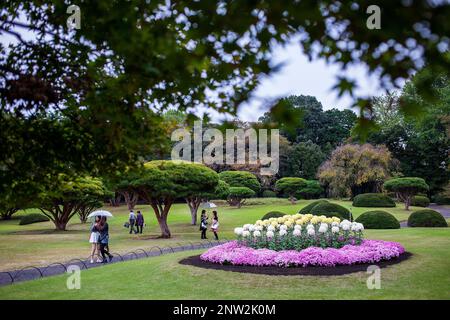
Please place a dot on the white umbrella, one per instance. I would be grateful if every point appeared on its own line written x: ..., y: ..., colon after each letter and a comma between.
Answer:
x: 100, y: 213
x: 207, y: 205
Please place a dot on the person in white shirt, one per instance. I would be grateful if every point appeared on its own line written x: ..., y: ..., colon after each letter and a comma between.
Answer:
x: 132, y: 221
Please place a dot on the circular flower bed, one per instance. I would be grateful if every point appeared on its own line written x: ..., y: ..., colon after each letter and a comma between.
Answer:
x: 369, y: 251
x: 302, y: 240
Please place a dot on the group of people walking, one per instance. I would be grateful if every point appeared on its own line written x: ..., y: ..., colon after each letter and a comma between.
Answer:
x: 204, y: 224
x: 100, y: 241
x: 99, y: 238
x: 136, y: 220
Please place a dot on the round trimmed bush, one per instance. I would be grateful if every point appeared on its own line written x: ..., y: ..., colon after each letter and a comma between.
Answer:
x: 240, y: 179
x: 313, y: 190
x: 426, y: 218
x: 32, y: 218
x: 378, y: 219
x: 269, y: 194
x: 309, y: 207
x: 373, y: 200
x: 331, y: 210
x: 420, y: 201
x: 273, y: 214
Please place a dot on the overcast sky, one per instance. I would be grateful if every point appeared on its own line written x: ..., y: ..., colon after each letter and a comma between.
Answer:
x: 301, y: 76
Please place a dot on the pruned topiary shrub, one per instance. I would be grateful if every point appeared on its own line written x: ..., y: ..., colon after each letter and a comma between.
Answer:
x: 237, y: 196
x: 331, y: 210
x: 378, y: 219
x: 269, y: 194
x: 273, y: 214
x: 32, y: 218
x: 373, y: 200
x: 312, y: 190
x: 426, y: 218
x: 310, y: 206
x: 420, y: 201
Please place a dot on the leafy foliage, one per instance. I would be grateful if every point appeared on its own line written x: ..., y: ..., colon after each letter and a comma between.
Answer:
x: 240, y: 179
x: 312, y: 190
x: 290, y: 186
x: 406, y: 188
x: 378, y: 219
x: 161, y: 182
x: 421, y: 143
x: 67, y: 195
x: 354, y: 169
x: 237, y: 195
x: 222, y: 190
x: 373, y: 200
x: 426, y: 218
x: 269, y: 194
x: 420, y: 201
x: 32, y: 218
x: 309, y: 207
x: 273, y: 214
x: 329, y: 209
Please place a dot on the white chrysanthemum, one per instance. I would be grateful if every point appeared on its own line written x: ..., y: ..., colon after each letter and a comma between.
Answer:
x: 361, y: 226
x: 345, y: 226
x: 283, y: 232
x: 297, y: 232
x: 270, y: 234
x: 246, y: 233
x: 283, y: 227
x: 335, y: 229
x: 238, y: 231
x: 297, y: 227
x: 251, y: 228
x: 310, y: 226
x: 259, y: 228
x: 323, y: 228
x: 271, y: 228
x: 345, y: 222
x: 246, y: 226
x: 256, y: 233
x: 335, y: 224
x: 311, y: 232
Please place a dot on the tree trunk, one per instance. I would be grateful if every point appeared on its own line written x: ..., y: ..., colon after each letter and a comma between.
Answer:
x: 407, y: 203
x: 60, y: 225
x: 7, y: 214
x: 193, y: 204
x: 165, y: 232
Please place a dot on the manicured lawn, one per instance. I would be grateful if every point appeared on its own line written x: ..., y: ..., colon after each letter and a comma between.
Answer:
x: 426, y: 275
x: 39, y: 244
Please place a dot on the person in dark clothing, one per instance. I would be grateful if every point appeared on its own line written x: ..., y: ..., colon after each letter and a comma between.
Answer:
x: 103, y: 240
x: 203, y: 224
x: 139, y: 222
x: 215, y: 225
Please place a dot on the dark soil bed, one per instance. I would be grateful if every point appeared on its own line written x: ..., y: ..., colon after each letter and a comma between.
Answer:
x: 292, y: 271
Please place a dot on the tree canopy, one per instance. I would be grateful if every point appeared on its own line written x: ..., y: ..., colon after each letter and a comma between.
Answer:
x: 161, y: 182
x: 67, y: 195
x: 241, y: 179
x: 354, y: 169
x: 406, y: 188
x: 290, y: 186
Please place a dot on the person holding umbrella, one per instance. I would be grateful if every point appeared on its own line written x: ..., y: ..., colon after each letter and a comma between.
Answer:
x: 103, y: 240
x: 93, y: 240
x: 102, y: 228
